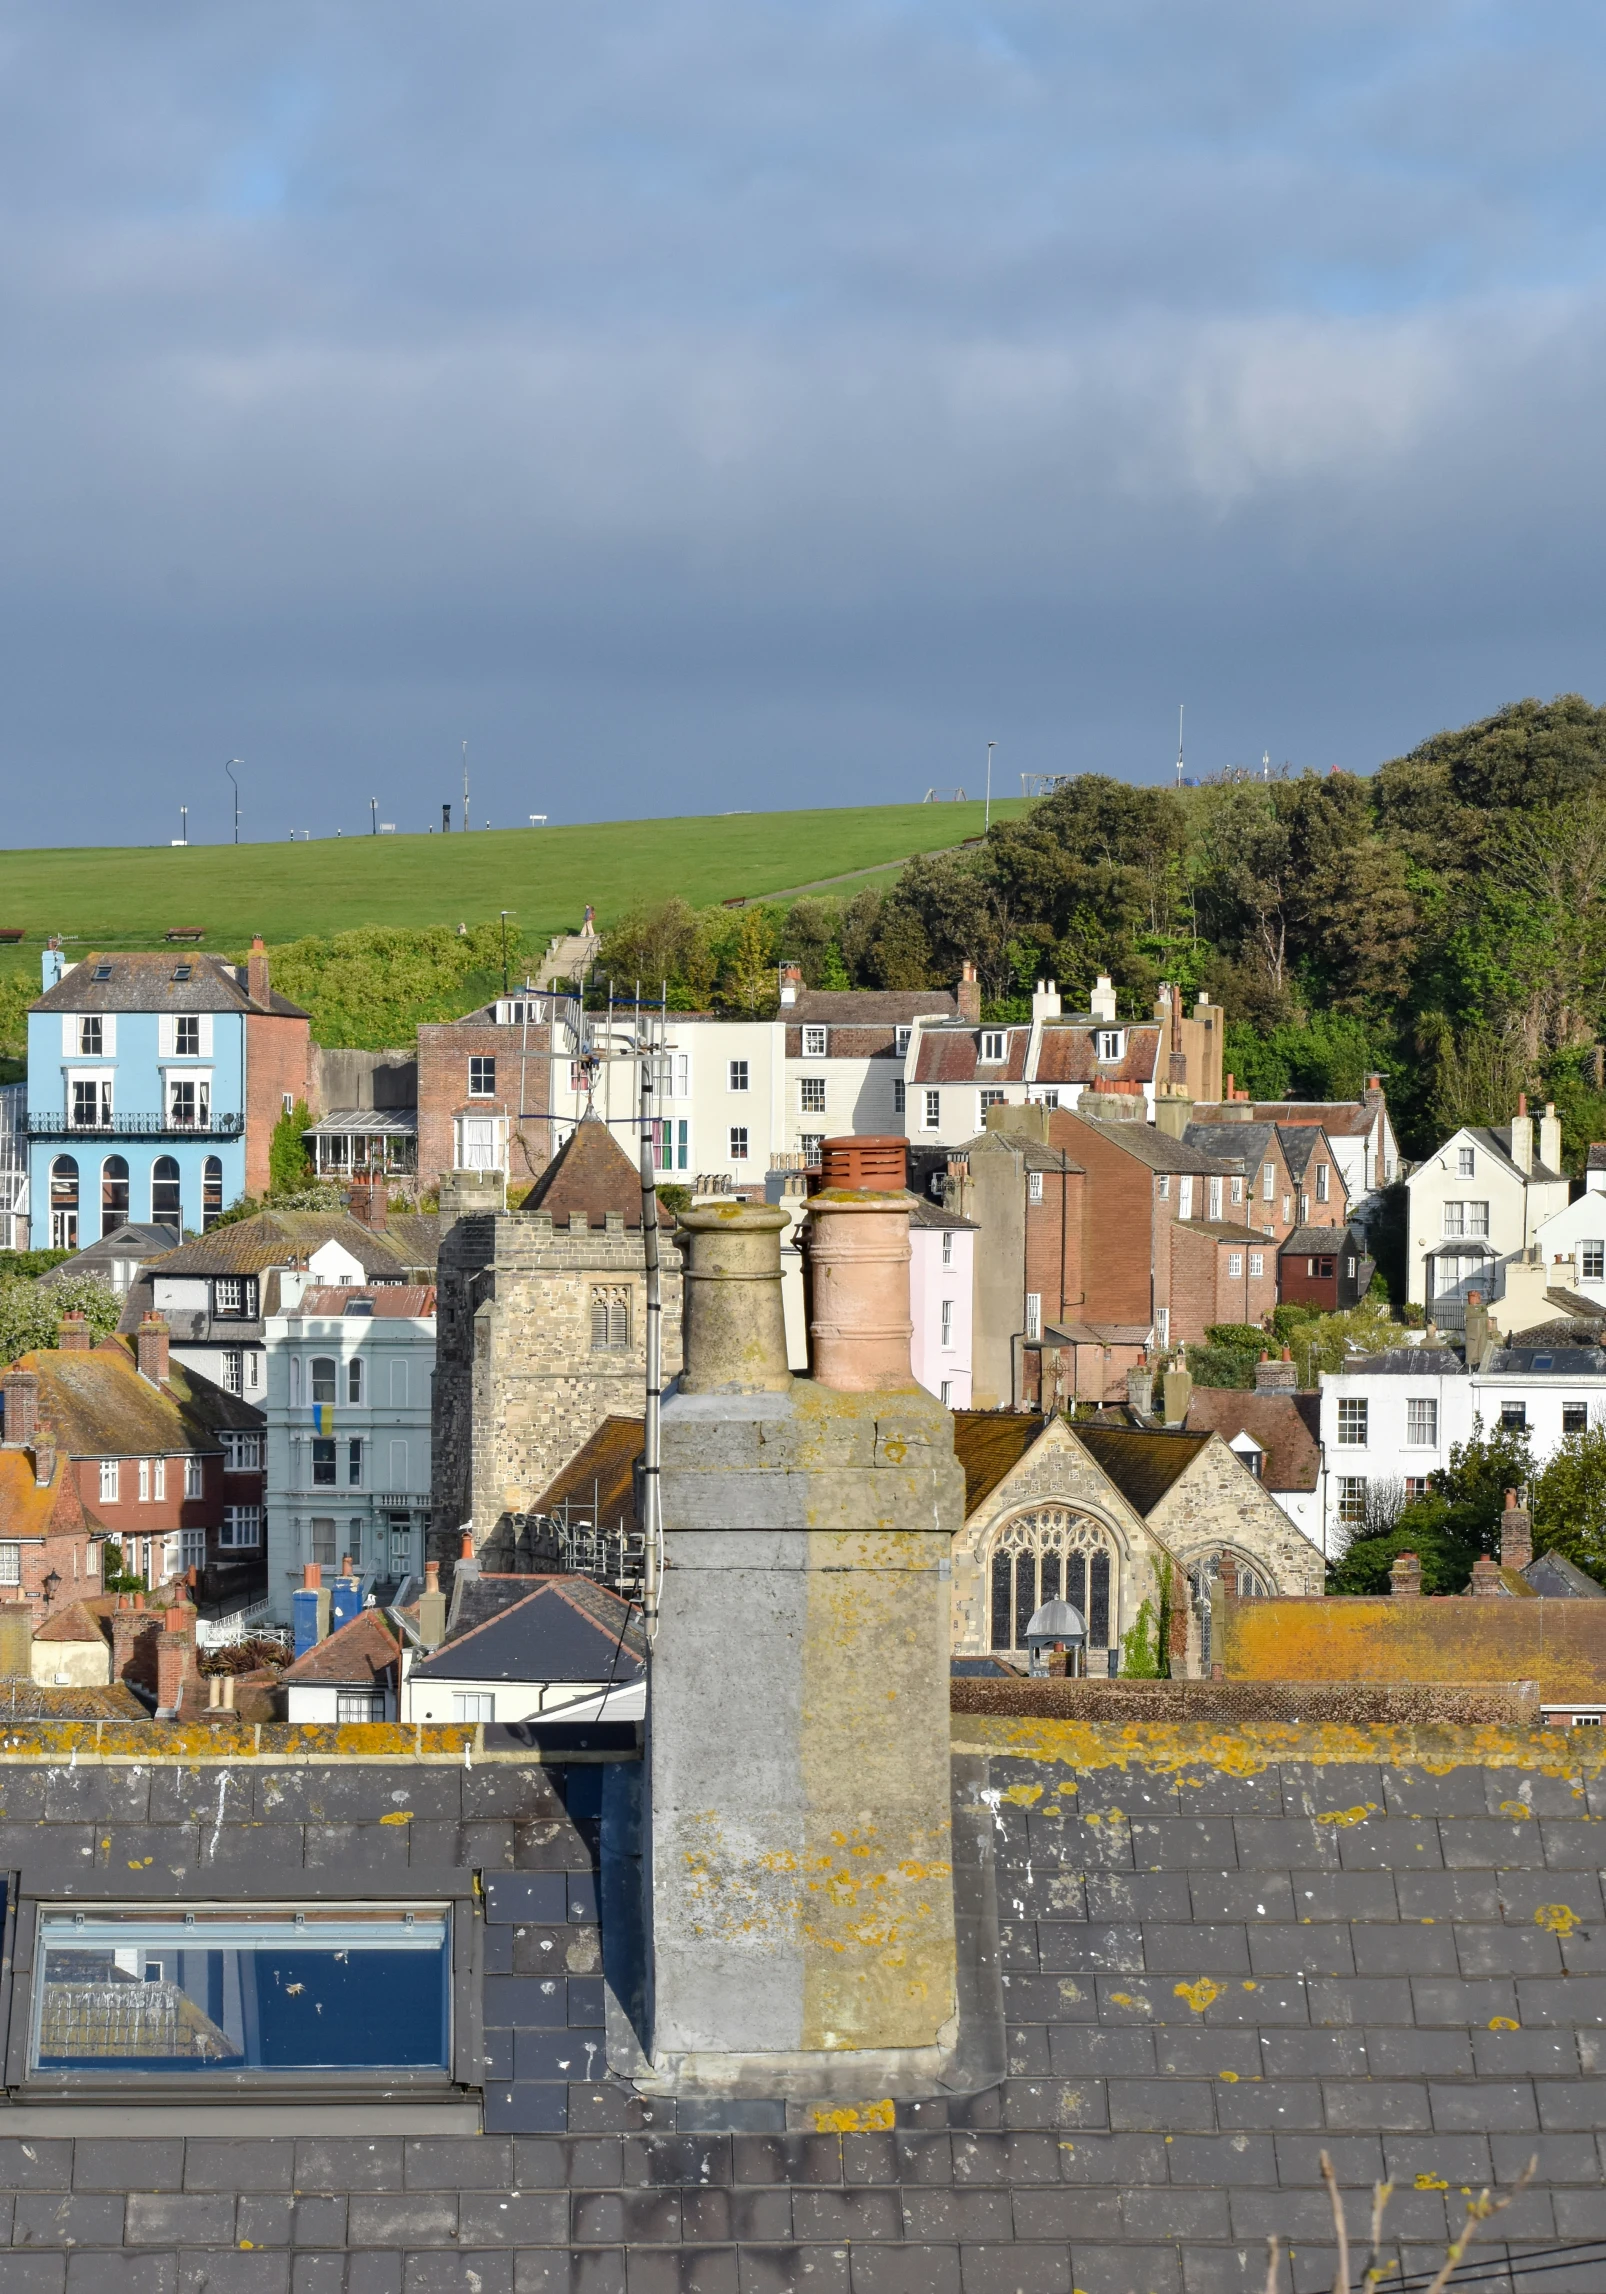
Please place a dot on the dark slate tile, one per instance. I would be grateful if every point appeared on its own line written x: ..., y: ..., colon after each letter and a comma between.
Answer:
x: 1010, y: 2269
x: 975, y: 2114
x: 138, y: 1848
x: 89, y: 2218
x: 1413, y: 1792
x: 227, y: 2273
x: 450, y: 2273
x: 541, y: 1898
x: 1507, y: 1951
x: 1044, y: 1893
x: 925, y: 2156
x: 1253, y: 2106
x: 1034, y: 1998
x: 234, y: 2164
x: 1491, y: 1843
x: 416, y: 2218
x: 1125, y: 2269
x: 1561, y: 1999
x: 1442, y: 2000
x: 1524, y: 1896
x: 1175, y: 1843
x: 1090, y: 1847
x: 1066, y: 2212
x: 977, y: 2217
x: 1447, y: 1895
x: 1163, y: 2106
x: 1583, y: 1950
x: 1248, y: 1896
x: 35, y: 2165
x: 1406, y: 1948
x: 1139, y: 1896
x: 1223, y: 2269
x: 681, y: 2270
x: 526, y: 2107
x: 1562, y: 2158
x: 1321, y: 1788
x: 1183, y: 2052
x: 348, y: 2162
x: 810, y: 2159
x: 1407, y: 2054
x: 661, y: 2161
x: 543, y: 2271
x: 792, y: 2270
x: 99, y: 1795
x: 612, y: 2110
x: 1566, y: 2104
x: 1026, y: 2051
x: 512, y: 1788
x: 68, y: 1844
x: 1547, y: 2054
x: 1107, y: 2161
x: 128, y: 2165
x: 1490, y: 2106
x: 1281, y: 1844
x: 1033, y: 2104
x: 373, y: 2274
x: 1096, y: 2050
x: 1011, y: 2158
x: 1315, y: 1947
x: 878, y: 2269
x: 1392, y: 1844
x: 1077, y: 1947
x: 627, y: 2218
x: 1357, y: 2159
x: 1447, y: 2160
x: 108, y: 2273
x: 312, y: 2273
x: 760, y: 2217
x: 706, y: 2218
x: 557, y: 2055
x: 1509, y: 1791
x: 355, y: 1848
x: 1017, y: 1944
x: 1398, y: 2104
x: 583, y: 1897
x: 248, y: 1850
x: 512, y: 2218
x: 1345, y: 1895
x: 1223, y: 2162
x: 1128, y: 1791
x: 33, y: 2273
x: 458, y: 2162
x: 1325, y: 2054
x: 721, y: 2115
x: 1195, y: 1949
x: 1580, y: 2214
x: 1220, y: 1792
x: 1262, y: 2001
x: 267, y: 2218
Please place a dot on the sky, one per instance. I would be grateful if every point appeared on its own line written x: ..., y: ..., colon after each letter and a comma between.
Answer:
x: 712, y: 404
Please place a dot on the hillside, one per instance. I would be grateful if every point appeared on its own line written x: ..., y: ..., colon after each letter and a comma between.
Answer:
x: 121, y: 898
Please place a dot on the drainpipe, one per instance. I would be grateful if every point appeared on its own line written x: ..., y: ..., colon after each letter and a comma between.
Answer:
x: 651, y: 1512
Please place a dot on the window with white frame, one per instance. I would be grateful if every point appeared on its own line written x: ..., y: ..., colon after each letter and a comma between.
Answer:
x: 933, y: 1111
x: 325, y: 1468
x: 992, y: 1047
x: 192, y: 1549
x: 110, y: 1475
x: 1592, y: 1260
x: 1352, y: 1417
x: 814, y: 1043
x: 189, y: 1102
x: 1237, y: 1190
x: 1257, y: 1264
x: 233, y: 1367
x: 900, y: 1040
x: 359, y: 1704
x: 159, y: 1479
x: 1185, y: 1196
x: 354, y: 1449
x: 187, y: 1036
x: 1034, y: 1186
x: 1288, y: 1208
x: 1034, y: 1314
x: 144, y: 1481
x: 1455, y: 1218
x: 1466, y: 1163
x: 192, y: 1477
x: 984, y: 1100
x: 1268, y: 1182
x: 473, y: 1705
x: 811, y: 1094
x: 1352, y: 1498
x: 1111, y: 1043
x: 482, y: 1077
x: 234, y: 1295
x: 242, y: 1453
x: 1162, y: 1187
x: 738, y: 1142
x: 1575, y: 1417
x: 947, y: 1322
x: 10, y: 1564
x: 91, y: 1036
x: 1321, y: 1182
x: 91, y: 1102
x: 1416, y: 1485
x: 1477, y: 1218
x: 900, y: 1093
x: 1215, y: 1198
x: 355, y: 1376
x: 1235, y: 1266
x: 812, y: 1145
x: 1162, y: 1325
x: 737, y: 1075
x: 242, y: 1526
x: 322, y: 1537
x: 946, y: 1393
x: 947, y: 1246
x: 1421, y: 1422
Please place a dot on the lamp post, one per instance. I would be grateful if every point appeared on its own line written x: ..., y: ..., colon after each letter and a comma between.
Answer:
x: 184, y: 824
x: 987, y: 814
x: 229, y: 769
x: 373, y: 816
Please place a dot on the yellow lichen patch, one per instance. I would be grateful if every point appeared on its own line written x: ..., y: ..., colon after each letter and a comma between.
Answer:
x: 1129, y: 1999
x: 1431, y: 2182
x: 853, y: 2118
x: 1560, y: 1919
x: 1023, y: 1795
x: 1231, y: 2078
x: 1247, y: 1747
x: 1504, y: 2023
x: 1198, y: 1995
x: 398, y: 1816
x: 1517, y: 1808
x: 1348, y: 1816
x: 140, y: 1863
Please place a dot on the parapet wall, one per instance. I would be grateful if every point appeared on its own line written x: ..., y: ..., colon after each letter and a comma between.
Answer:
x: 1560, y: 1645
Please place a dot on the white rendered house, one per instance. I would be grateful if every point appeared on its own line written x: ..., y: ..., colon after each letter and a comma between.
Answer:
x: 1477, y: 1203
x: 941, y: 1279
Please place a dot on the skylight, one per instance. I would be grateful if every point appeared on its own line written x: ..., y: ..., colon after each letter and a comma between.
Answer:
x: 102, y: 972
x: 182, y: 971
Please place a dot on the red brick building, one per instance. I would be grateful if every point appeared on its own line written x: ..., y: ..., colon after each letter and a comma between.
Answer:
x: 115, y: 1441
x: 485, y: 1090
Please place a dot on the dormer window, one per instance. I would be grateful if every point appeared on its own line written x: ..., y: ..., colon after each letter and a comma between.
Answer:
x: 1112, y: 1042
x: 814, y: 1043
x: 900, y: 1040
x: 992, y: 1047
x: 101, y: 972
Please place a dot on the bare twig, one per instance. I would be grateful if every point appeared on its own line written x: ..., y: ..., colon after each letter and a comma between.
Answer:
x: 1382, y: 2192
x: 1272, y: 2252
x: 1341, y: 2282
x: 1480, y: 2210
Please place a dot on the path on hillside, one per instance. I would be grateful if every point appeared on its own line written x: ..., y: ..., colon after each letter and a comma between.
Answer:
x: 877, y: 868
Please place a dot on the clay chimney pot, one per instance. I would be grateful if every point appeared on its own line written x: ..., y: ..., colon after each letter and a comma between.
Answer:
x: 432, y: 1576
x: 467, y: 1553
x: 312, y: 1577
x: 859, y: 1325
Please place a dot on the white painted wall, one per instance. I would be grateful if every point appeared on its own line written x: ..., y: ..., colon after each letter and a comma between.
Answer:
x: 931, y: 1283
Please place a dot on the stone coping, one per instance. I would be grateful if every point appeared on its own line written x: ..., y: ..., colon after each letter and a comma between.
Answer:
x: 1458, y: 1704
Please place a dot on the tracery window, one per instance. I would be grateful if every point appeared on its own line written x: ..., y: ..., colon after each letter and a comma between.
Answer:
x: 1052, y: 1554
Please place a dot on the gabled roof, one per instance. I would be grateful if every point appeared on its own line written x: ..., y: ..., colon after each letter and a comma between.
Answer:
x: 868, y: 1007
x: 1495, y: 1140
x: 1339, y: 1118
x: 1232, y: 1142
x: 151, y: 983
x: 1572, y: 1329
x: 1068, y: 1053
x: 1224, y: 1231
x: 289, y: 1238
x: 1300, y: 1143
x: 1403, y: 1362
x: 1310, y: 1239
x: 356, y: 1655
x: 1539, y: 1361
x: 600, y: 1477
x: 29, y: 1509
x: 98, y: 1406
x: 77, y: 1621
x: 1148, y: 1145
x: 126, y: 1242
x: 1033, y: 1154
x: 564, y: 1629
x: 1561, y: 1579
x: 1143, y: 1463
x: 591, y: 1173
x: 924, y: 1212
x: 1284, y: 1425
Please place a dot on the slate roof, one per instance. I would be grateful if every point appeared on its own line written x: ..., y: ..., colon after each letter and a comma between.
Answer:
x: 868, y: 1007
x: 1142, y: 1462
x: 1543, y: 1361
x: 1495, y: 1139
x: 1339, y: 1118
x: 1300, y: 1143
x: 289, y: 1238
x: 1099, y: 1333
x: 1314, y: 1239
x: 1246, y: 1143
x: 600, y: 1477
x: 1566, y: 1330
x: 99, y: 1406
x: 988, y: 1443
x: 925, y: 1213
x: 1285, y: 1426
x: 128, y: 1242
x: 1554, y: 1575
x: 1595, y: 1159
x: 357, y: 1654
x: 150, y: 983
x: 1156, y: 1148
x: 1224, y: 1231
x: 1406, y: 1362
x: 1032, y: 1152
x: 591, y: 1173
x: 563, y: 1629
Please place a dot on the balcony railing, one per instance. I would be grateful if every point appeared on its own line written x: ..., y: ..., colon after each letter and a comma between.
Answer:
x: 120, y: 1126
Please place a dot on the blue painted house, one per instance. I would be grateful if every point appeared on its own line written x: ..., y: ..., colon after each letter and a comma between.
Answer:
x: 154, y: 1084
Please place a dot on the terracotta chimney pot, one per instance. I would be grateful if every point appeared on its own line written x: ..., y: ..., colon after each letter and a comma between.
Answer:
x: 859, y: 1323
x: 432, y: 1577
x: 467, y: 1551
x: 312, y: 1577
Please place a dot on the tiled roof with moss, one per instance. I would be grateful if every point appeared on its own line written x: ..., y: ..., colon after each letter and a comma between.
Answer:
x: 600, y: 1476
x: 356, y: 1655
x: 98, y: 1406
x: 988, y: 1443
x: 31, y: 1509
x: 1142, y: 1462
x: 289, y: 1238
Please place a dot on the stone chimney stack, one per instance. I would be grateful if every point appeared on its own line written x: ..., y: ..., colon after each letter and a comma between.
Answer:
x: 1101, y: 1003
x: 809, y: 1527
x: 432, y: 1608
x: 22, y: 1407
x: 1140, y: 1389
x: 791, y: 985
x: 1477, y: 1330
x: 256, y: 971
x: 44, y: 1455
x: 1486, y: 1585
x: 1516, y: 1534
x: 1045, y: 1001
x: 1522, y: 1135
x: 1405, y: 1577
x: 73, y: 1336
x: 1177, y: 1387
x: 150, y: 1347
x: 967, y: 995
x: 1279, y: 1377
x: 1550, y: 1137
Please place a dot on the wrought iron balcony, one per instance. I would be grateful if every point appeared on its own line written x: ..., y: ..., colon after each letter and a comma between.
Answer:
x: 60, y: 1125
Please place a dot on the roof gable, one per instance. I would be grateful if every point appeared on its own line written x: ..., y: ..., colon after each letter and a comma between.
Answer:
x: 174, y: 982
x: 564, y: 1629
x: 1143, y: 1463
x: 290, y: 1238
x: 1279, y: 1423
x: 355, y: 1654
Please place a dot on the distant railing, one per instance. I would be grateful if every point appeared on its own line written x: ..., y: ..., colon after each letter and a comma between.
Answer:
x: 120, y: 1126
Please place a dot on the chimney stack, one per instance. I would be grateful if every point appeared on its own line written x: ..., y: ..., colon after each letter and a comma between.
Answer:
x: 22, y: 1407
x: 791, y: 984
x: 1522, y: 1135
x: 150, y: 1347
x: 1477, y: 1332
x: 809, y: 1527
x: 309, y: 1610
x: 1516, y: 1534
x: 44, y: 1455
x: 1276, y: 1377
x: 256, y: 971
x: 1405, y: 1577
x: 432, y: 1608
x: 1046, y: 1001
x: 1177, y: 1388
x: 177, y: 1675
x: 1140, y: 1389
x: 1101, y: 1003
x: 1486, y: 1585
x: 967, y: 995
x: 73, y: 1336
x: 369, y: 1201
x: 1550, y: 1137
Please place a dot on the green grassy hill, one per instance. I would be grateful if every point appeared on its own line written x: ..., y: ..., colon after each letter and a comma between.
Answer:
x: 121, y: 898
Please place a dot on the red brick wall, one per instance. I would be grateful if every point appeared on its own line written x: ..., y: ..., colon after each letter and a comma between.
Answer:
x: 278, y: 1064
x: 1202, y: 1291
x: 444, y: 1052
x: 1119, y: 1220
x: 1053, y: 1252
x: 158, y: 1516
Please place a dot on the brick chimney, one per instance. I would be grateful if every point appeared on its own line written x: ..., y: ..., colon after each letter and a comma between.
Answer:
x: 177, y: 1674
x: 369, y: 1201
x: 135, y: 1631
x: 73, y: 1336
x: 967, y: 995
x: 1516, y: 1534
x: 22, y: 1407
x: 1405, y: 1577
x: 1486, y: 1583
x: 44, y: 1455
x: 1276, y: 1377
x: 150, y: 1345
x: 256, y: 971
x: 791, y: 984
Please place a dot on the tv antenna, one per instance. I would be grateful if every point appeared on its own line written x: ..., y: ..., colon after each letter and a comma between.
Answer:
x: 1180, y: 707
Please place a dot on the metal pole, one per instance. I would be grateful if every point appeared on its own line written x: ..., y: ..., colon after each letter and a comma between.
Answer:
x: 504, y: 951
x: 652, y: 1515
x: 229, y: 769
x: 987, y: 815
x: 373, y: 816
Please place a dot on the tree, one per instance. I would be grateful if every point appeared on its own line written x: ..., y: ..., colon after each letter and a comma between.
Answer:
x: 288, y: 1167
x: 31, y: 1313
x: 1569, y: 1502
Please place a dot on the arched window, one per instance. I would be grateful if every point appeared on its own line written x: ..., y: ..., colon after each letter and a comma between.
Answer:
x: 211, y: 1191
x: 64, y: 1203
x: 113, y: 1194
x: 166, y: 1209
x: 1254, y: 1583
x: 323, y: 1378
x: 1052, y: 1554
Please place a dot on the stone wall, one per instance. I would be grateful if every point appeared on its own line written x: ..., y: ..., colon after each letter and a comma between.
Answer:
x: 1217, y: 1503
x: 518, y: 1385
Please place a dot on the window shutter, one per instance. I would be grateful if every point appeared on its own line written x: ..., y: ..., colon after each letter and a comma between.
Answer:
x: 164, y: 1035
x: 108, y: 1035
x: 206, y: 1035
x: 69, y: 1035
x: 599, y: 1322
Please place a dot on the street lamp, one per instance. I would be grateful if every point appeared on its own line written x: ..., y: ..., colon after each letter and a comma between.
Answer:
x: 229, y: 769
x: 987, y: 816
x: 373, y: 816
x: 50, y: 1588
